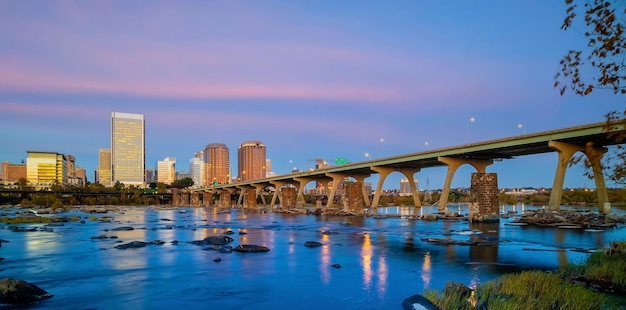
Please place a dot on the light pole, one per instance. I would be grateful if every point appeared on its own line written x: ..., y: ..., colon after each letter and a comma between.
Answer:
x: 471, y: 120
x: 522, y: 128
x: 367, y: 155
x: 426, y: 144
x: 378, y: 148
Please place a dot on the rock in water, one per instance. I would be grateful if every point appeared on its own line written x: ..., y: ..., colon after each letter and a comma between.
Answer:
x: 312, y: 244
x: 14, y: 291
x: 418, y: 302
x: 215, y: 240
x: 131, y: 245
x: 251, y: 248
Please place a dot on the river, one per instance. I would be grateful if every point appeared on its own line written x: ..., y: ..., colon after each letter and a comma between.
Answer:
x: 381, y: 260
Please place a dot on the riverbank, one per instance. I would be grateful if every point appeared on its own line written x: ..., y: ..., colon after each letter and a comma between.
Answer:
x: 572, y: 287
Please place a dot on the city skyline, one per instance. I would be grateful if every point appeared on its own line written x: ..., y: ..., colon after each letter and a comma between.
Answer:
x: 319, y: 80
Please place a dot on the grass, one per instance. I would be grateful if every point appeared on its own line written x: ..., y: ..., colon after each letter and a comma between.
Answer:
x: 547, y: 290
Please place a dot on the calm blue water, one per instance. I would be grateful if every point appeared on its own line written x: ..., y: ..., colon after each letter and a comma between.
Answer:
x: 382, y: 261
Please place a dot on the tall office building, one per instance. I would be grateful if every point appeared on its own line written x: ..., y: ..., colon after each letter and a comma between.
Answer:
x: 128, y: 152
x: 12, y: 173
x: 71, y: 165
x: 166, y: 170
x: 196, y: 169
x: 217, y: 164
x: 251, y: 161
x: 44, y: 169
x: 104, y: 167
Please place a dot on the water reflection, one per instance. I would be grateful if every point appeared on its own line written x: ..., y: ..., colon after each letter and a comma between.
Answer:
x: 366, y: 261
x: 427, y: 270
x: 487, y: 242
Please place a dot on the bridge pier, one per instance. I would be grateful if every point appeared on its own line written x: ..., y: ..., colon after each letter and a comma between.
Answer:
x: 277, y: 186
x: 594, y: 154
x: 258, y: 190
x: 383, y: 172
x: 453, y: 164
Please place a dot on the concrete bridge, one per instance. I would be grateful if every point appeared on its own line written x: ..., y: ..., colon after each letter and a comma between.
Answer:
x: 591, y: 140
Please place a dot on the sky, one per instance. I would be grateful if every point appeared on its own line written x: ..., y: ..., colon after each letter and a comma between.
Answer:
x: 309, y: 79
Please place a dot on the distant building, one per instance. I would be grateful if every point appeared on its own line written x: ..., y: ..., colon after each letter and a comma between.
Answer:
x: 196, y: 169
x: 104, y: 168
x: 251, y: 161
x: 45, y: 169
x: 81, y: 173
x: 128, y: 152
x: 12, y: 173
x: 71, y: 165
x: 150, y: 175
x: 217, y: 164
x: 182, y: 174
x: 405, y: 187
x: 166, y: 170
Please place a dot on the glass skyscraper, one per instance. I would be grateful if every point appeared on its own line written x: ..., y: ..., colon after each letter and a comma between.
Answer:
x: 128, y: 151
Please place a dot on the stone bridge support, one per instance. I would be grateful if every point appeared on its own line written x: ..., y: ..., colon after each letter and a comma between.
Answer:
x: 225, y: 198
x: 594, y: 154
x: 337, y: 178
x: 278, y: 185
x: 242, y: 192
x: 259, y: 191
x: 383, y: 174
x: 453, y: 164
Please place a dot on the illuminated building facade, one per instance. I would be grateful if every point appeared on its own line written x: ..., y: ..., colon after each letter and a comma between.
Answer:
x: 251, y: 161
x: 196, y: 169
x: 128, y: 152
x: 45, y: 169
x: 104, y: 167
x: 166, y: 170
x: 217, y: 164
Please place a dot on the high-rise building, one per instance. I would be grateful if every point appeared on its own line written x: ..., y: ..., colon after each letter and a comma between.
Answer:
x: 44, y: 169
x: 166, y: 170
x: 81, y: 173
x: 12, y: 173
x: 150, y: 175
x: 71, y: 165
x: 104, y: 168
x: 196, y: 169
x: 405, y: 188
x: 128, y: 152
x: 251, y: 161
x: 217, y: 164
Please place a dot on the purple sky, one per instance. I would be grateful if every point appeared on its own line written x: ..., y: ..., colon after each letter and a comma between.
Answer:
x: 313, y: 79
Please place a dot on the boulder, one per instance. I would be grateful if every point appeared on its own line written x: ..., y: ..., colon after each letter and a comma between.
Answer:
x: 251, y: 248
x: 14, y: 291
x: 215, y: 240
x: 418, y: 302
x: 123, y: 228
x: 312, y: 244
x: 131, y: 245
x: 458, y: 289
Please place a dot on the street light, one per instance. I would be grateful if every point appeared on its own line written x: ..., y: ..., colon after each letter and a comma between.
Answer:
x: 471, y: 120
x: 367, y: 155
x: 522, y: 128
x: 378, y: 147
x: 426, y: 144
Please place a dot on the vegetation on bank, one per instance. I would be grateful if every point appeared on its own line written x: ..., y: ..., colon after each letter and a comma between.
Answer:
x: 572, y: 287
x: 120, y: 195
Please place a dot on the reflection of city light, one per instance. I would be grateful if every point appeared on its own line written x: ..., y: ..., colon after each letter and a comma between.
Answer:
x: 426, y: 270
x: 382, y: 276
x: 325, y: 259
x: 366, y: 255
